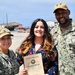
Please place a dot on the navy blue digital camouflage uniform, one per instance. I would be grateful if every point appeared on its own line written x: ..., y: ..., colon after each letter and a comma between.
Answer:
x: 8, y: 64
x: 65, y: 44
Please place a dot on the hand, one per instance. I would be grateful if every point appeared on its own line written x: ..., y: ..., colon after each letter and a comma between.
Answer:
x: 23, y: 72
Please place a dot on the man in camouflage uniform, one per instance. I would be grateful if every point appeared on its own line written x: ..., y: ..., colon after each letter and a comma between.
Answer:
x: 64, y: 39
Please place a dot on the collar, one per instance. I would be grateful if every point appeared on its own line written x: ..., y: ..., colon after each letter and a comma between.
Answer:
x: 3, y: 55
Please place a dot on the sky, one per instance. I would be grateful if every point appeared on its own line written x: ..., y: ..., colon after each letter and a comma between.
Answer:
x: 26, y: 11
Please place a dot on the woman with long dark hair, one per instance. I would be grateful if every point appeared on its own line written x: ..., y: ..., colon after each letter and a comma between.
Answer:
x: 40, y: 40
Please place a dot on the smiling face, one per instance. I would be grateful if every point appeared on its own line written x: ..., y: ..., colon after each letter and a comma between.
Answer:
x: 62, y: 16
x: 5, y: 43
x: 39, y: 29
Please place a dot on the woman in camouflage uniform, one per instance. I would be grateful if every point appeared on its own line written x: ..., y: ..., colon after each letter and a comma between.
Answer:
x: 8, y: 62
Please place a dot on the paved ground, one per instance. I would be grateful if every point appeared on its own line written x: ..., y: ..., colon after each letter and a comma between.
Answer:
x: 17, y: 40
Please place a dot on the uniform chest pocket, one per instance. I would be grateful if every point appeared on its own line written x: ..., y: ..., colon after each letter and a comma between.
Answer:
x: 72, y: 39
x: 71, y: 43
